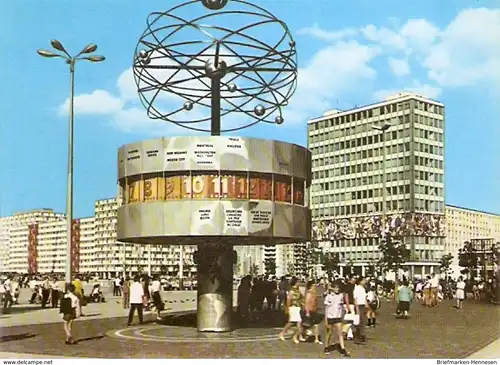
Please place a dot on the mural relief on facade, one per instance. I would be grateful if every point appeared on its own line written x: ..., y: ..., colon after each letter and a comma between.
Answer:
x: 398, y: 225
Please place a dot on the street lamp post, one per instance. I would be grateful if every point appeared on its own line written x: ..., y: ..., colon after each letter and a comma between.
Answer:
x: 71, y: 61
x: 181, y: 268
x: 384, y: 128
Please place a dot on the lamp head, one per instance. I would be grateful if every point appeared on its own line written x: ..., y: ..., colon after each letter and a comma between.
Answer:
x: 45, y: 53
x: 57, y: 45
x: 95, y: 58
x: 89, y: 48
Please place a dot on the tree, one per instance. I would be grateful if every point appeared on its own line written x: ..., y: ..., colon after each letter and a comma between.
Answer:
x: 394, y: 255
x: 330, y: 261
x: 164, y: 269
x: 349, y: 268
x: 445, y: 263
x: 254, y: 270
x: 270, y: 266
x: 495, y: 254
x: 467, y: 257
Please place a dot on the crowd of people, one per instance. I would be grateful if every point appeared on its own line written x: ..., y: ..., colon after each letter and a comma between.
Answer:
x: 139, y: 294
x: 345, y: 306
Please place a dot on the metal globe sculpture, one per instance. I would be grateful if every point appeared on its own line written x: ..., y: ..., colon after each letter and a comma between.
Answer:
x: 194, y: 70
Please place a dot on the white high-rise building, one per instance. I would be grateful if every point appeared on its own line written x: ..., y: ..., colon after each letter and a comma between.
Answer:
x: 113, y: 256
x: 463, y: 224
x: 284, y: 260
x: 14, y: 232
x: 348, y: 168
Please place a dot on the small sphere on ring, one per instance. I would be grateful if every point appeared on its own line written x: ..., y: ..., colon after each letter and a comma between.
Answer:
x: 188, y: 105
x: 292, y: 44
x: 146, y: 61
x: 259, y: 110
x: 143, y: 54
x: 279, y: 119
x: 232, y: 87
x: 214, y: 4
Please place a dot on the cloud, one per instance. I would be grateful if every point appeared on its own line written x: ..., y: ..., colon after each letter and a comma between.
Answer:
x: 384, y: 36
x: 425, y: 90
x: 398, y: 67
x: 126, y: 85
x: 330, y: 73
x: 419, y: 32
x: 330, y: 36
x: 464, y: 53
x: 98, y: 102
x: 468, y: 50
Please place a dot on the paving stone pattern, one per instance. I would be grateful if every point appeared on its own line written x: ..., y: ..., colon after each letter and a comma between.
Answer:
x: 442, y: 332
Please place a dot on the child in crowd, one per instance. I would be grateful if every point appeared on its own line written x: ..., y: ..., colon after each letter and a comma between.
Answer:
x: 373, y: 304
x: 404, y: 299
x: 70, y: 310
x: 334, y: 314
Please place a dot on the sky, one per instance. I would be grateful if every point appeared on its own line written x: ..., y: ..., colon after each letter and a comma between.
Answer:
x: 350, y: 53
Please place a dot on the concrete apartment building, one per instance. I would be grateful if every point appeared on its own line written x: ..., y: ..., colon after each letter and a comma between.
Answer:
x: 14, y: 232
x: 98, y: 251
x: 36, y: 242
x: 465, y: 224
x: 348, y: 166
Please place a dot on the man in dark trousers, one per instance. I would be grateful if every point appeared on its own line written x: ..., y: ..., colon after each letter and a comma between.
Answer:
x: 136, y: 300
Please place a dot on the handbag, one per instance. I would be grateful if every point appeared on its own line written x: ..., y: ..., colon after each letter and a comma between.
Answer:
x: 306, y: 321
x: 351, y: 317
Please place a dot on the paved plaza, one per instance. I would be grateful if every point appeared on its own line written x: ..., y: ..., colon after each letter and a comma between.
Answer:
x: 442, y: 332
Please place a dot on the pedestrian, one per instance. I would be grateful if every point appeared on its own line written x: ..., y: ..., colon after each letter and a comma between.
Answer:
x: 45, y: 291
x: 349, y: 291
x: 282, y: 292
x: 418, y: 290
x: 434, y: 283
x: 8, y: 300
x: 294, y: 304
x: 373, y: 305
x: 54, y: 292
x: 334, y: 314
x: 16, y: 289
x: 126, y: 293
x: 460, y: 293
x: 404, y: 299
x: 147, y: 293
x: 271, y: 292
x: 310, y: 309
x: 78, y: 292
x: 70, y: 310
x: 244, y: 290
x: 136, y: 300
x: 156, y: 296
x: 116, y: 287
x: 360, y: 306
x: 427, y: 291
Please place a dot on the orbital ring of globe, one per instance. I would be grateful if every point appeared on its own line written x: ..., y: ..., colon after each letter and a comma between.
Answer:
x: 247, y: 50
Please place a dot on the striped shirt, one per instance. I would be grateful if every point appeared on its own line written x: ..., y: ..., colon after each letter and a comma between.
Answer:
x: 334, y: 305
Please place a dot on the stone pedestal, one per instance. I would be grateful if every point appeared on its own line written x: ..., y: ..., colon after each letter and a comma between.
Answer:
x: 215, y: 287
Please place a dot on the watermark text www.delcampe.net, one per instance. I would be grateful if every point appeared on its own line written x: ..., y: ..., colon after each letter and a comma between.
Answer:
x: 28, y: 362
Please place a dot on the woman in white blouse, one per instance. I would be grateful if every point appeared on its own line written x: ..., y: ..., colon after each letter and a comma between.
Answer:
x: 460, y: 292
